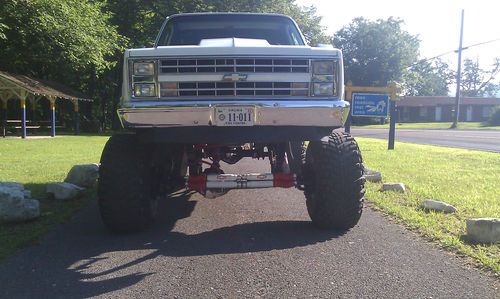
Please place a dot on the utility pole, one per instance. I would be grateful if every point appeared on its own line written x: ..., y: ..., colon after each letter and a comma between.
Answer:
x: 459, y: 75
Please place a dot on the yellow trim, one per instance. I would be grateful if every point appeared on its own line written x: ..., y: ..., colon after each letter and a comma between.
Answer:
x: 23, y: 103
x: 391, y: 90
x: 76, y: 108
x: 52, y: 105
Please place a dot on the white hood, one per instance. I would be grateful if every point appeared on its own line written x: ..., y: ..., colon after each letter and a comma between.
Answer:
x: 233, y: 46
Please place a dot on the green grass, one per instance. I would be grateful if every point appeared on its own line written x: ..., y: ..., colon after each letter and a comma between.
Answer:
x: 36, y: 162
x: 469, y: 180
x: 435, y: 125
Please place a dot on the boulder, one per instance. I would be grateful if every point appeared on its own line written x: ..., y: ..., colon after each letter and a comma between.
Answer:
x: 14, y: 207
x: 398, y: 187
x: 439, y: 206
x: 12, y: 185
x: 27, y: 193
x: 83, y: 175
x: 483, y: 230
x: 373, y: 176
x: 63, y: 191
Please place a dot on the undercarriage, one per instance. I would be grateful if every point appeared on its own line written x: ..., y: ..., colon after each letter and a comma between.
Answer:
x: 207, y: 177
x: 135, y: 175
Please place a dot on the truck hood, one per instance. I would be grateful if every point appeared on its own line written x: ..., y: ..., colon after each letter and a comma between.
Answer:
x: 233, y: 47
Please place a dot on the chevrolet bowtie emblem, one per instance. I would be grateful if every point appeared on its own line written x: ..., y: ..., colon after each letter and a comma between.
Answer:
x: 235, y: 77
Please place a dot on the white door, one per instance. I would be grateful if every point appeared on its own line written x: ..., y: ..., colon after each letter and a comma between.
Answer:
x: 469, y: 113
x: 439, y: 111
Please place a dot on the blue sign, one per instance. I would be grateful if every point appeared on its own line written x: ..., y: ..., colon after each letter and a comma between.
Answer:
x: 370, y: 104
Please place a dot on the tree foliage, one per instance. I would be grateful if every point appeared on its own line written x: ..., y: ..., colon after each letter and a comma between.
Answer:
x: 478, y: 82
x: 140, y: 21
x: 56, y: 38
x: 376, y: 52
x: 428, y: 78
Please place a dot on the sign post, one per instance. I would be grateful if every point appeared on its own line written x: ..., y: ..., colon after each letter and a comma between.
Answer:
x: 367, y: 101
x: 392, y: 125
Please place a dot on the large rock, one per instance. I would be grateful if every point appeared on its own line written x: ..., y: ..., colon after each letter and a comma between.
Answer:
x: 439, y: 206
x: 14, y: 207
x: 483, y: 230
x: 63, y: 191
x: 27, y: 193
x: 373, y: 176
x: 398, y: 187
x: 12, y: 185
x: 83, y: 175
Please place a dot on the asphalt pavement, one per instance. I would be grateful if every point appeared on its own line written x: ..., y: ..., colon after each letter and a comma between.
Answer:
x: 248, y: 243
x: 484, y: 140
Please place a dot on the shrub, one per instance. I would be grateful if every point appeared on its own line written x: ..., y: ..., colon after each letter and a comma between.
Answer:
x: 494, y: 119
x: 359, y: 120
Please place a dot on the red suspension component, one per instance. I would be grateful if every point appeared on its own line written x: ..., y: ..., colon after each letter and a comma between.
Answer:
x: 197, y: 183
x: 283, y: 180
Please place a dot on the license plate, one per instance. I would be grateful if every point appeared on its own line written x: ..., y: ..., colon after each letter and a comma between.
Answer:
x: 232, y: 116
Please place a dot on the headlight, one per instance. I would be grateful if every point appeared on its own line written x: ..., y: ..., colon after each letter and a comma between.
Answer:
x: 323, y: 67
x: 323, y: 77
x: 144, y: 90
x: 144, y: 68
x: 143, y: 79
x: 323, y: 89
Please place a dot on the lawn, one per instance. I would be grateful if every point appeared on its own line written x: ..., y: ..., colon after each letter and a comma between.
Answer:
x: 434, y: 125
x: 36, y: 162
x: 467, y: 179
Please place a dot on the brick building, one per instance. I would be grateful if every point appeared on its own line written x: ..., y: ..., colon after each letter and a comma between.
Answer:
x: 436, y: 109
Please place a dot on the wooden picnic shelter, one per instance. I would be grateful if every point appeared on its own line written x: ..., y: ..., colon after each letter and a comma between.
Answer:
x: 25, y: 89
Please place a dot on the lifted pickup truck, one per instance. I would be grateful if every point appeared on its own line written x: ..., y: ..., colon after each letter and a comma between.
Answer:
x: 219, y: 87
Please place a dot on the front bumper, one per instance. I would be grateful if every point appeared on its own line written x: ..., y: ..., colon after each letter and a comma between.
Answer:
x: 165, y: 114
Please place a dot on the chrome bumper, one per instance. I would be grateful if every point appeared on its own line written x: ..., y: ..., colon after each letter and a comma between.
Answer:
x: 158, y: 114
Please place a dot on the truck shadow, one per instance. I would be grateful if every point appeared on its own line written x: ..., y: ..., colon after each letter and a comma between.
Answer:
x: 82, y: 259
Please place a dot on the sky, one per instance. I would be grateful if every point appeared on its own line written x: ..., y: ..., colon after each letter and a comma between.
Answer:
x: 437, y: 23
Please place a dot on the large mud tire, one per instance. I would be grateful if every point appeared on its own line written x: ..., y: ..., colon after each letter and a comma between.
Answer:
x: 126, y: 201
x: 334, y: 182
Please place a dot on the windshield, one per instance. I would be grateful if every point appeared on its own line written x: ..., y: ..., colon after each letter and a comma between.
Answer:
x: 191, y: 29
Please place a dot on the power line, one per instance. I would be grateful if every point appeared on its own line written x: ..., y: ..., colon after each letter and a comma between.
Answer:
x: 479, y: 44
x: 452, y: 51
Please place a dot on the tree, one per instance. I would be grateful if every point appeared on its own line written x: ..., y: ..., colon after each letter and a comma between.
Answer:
x: 376, y: 52
x: 492, y: 90
x: 427, y: 78
x: 140, y: 21
x: 56, y: 38
x: 477, y: 82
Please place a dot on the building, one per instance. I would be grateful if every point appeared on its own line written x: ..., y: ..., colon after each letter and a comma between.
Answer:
x: 436, y: 109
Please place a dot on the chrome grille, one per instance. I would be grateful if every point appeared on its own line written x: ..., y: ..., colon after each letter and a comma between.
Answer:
x: 236, y: 89
x: 225, y: 65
